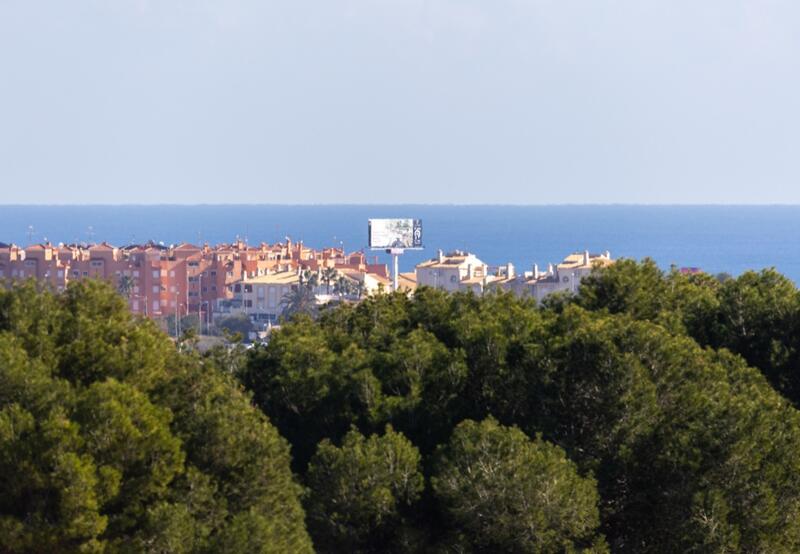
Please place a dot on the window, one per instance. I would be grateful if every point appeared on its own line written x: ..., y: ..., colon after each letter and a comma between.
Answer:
x: 97, y: 263
x: 237, y: 288
x: 193, y: 264
x: 156, y: 306
x: 213, y: 273
x: 135, y: 273
x: 155, y: 274
x: 214, y: 287
x: 156, y: 289
x: 76, y: 273
x: 248, y: 303
x: 260, y: 292
x: 60, y: 273
x: 85, y: 273
x: 135, y: 305
x: 172, y: 273
x: 172, y: 288
x: 248, y: 288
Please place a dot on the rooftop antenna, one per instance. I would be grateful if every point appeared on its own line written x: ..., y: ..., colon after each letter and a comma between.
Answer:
x: 30, y: 234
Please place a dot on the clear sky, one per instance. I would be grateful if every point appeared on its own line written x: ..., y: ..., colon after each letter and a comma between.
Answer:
x: 387, y: 101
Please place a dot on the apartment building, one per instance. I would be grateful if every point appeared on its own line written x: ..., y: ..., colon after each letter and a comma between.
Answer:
x: 563, y: 277
x: 161, y: 280
x: 461, y: 271
x: 261, y: 297
x: 452, y: 272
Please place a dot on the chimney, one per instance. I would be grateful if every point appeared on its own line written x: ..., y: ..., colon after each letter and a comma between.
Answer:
x: 440, y: 255
x: 607, y: 255
x: 535, y: 271
x: 586, y: 257
x: 550, y: 269
x: 510, y: 270
x: 469, y: 271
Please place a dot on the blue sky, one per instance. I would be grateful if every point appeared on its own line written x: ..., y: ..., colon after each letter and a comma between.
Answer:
x: 399, y: 101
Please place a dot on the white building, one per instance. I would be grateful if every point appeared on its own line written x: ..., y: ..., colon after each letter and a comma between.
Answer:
x: 454, y: 271
x: 564, y: 277
x: 463, y: 271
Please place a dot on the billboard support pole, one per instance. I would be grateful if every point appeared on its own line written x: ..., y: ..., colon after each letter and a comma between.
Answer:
x: 395, y: 252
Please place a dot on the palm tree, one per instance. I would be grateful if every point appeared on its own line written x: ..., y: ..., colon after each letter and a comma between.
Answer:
x: 299, y: 300
x: 125, y: 285
x: 343, y: 286
x: 309, y: 278
x: 360, y: 289
x: 329, y: 276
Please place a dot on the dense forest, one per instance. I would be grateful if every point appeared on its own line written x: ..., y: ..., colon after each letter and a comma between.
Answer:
x: 652, y: 412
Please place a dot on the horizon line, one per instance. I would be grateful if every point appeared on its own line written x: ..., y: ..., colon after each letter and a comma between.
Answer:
x: 404, y: 204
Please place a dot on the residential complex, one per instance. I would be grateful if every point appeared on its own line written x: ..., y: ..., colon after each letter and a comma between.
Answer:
x: 237, y: 278
x: 161, y: 280
x: 464, y: 271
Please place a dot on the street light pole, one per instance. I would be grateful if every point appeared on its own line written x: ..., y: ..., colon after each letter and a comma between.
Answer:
x: 200, y: 302
x: 177, y: 314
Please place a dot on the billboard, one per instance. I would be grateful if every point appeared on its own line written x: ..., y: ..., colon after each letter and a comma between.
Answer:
x: 395, y: 233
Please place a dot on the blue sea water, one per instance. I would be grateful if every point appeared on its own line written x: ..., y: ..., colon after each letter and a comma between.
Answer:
x: 732, y: 239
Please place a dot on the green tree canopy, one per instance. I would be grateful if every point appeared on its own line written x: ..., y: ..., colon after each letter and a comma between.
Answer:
x: 507, y: 493
x: 660, y: 421
x: 112, y: 440
x: 756, y: 315
x: 361, y: 492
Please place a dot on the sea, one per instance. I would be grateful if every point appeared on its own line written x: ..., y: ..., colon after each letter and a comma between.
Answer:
x: 713, y: 238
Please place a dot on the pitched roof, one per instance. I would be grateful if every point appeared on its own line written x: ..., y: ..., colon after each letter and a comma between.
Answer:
x: 102, y: 246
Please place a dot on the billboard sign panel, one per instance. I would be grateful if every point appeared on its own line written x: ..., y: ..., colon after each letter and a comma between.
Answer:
x: 395, y: 233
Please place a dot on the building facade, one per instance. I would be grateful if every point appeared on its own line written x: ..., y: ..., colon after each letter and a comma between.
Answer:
x: 183, y: 279
x: 462, y: 271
